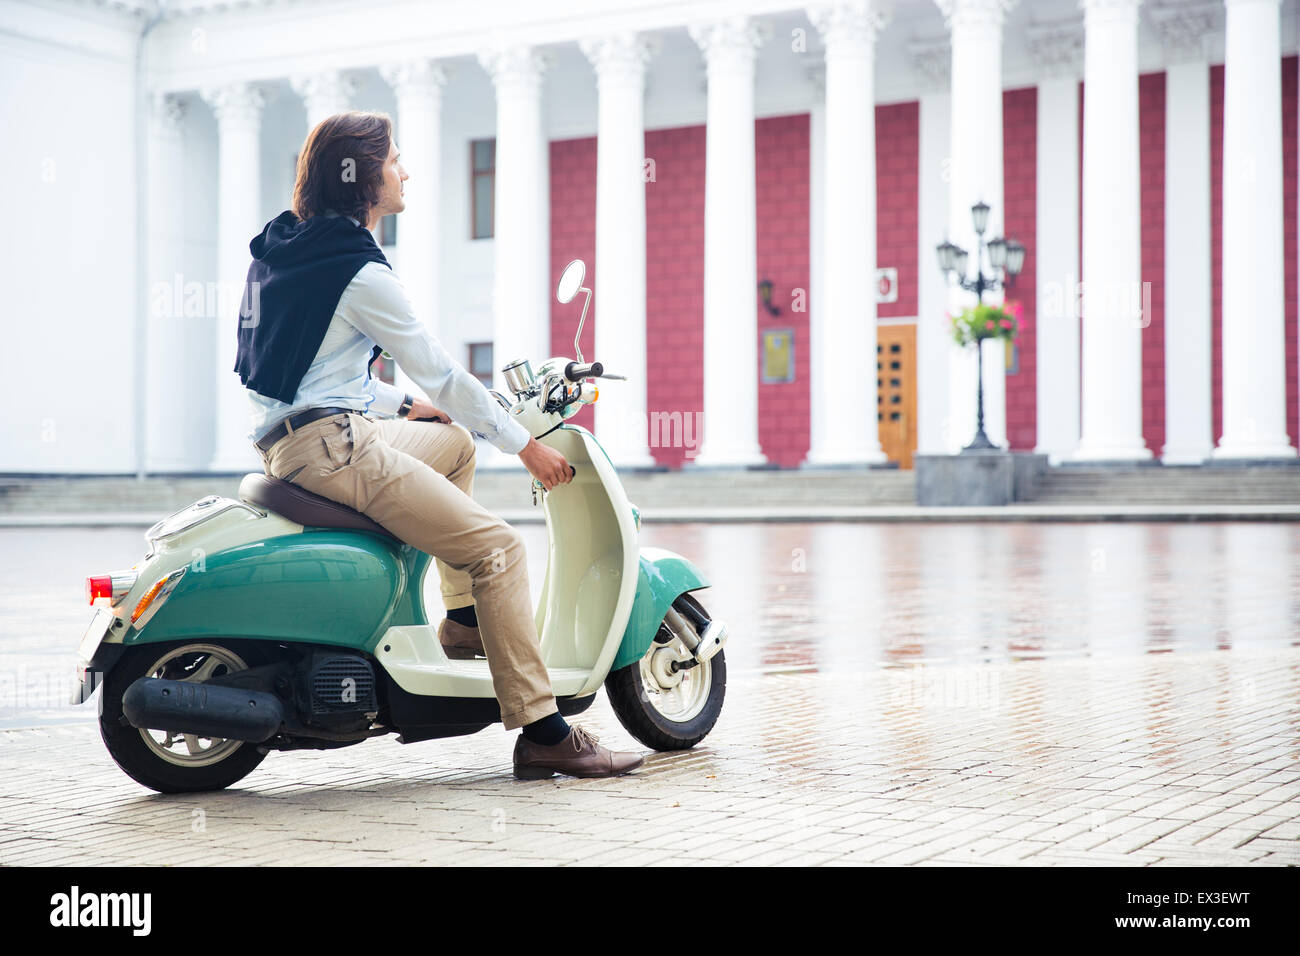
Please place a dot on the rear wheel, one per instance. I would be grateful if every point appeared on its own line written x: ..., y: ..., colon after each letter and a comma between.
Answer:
x: 173, y: 762
x: 666, y: 700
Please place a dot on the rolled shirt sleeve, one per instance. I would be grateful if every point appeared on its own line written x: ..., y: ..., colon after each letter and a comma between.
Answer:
x: 387, y: 399
x: 376, y: 303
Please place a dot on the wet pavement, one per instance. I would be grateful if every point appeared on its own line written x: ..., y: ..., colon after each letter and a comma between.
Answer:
x: 898, y: 693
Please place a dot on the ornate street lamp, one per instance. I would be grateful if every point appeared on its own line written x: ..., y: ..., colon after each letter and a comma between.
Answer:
x: 1006, y: 256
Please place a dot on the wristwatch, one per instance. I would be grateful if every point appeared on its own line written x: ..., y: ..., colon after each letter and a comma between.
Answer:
x: 405, y: 408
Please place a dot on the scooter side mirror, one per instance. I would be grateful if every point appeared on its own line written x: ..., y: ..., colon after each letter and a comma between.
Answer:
x: 570, y: 281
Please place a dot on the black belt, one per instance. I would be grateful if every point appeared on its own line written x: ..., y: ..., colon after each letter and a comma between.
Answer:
x: 297, y: 421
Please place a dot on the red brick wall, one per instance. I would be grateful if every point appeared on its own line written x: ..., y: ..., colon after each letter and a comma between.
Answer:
x: 1151, y: 126
x: 898, y: 158
x: 1216, y: 253
x: 1019, y: 186
x: 675, y: 280
x: 675, y: 270
x: 573, y: 236
x: 781, y: 170
x: 1289, y: 91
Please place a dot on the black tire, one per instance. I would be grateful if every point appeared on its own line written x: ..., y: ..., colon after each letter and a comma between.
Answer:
x: 640, y: 717
x: 127, y: 745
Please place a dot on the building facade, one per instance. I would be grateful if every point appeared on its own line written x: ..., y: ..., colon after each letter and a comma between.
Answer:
x: 757, y: 189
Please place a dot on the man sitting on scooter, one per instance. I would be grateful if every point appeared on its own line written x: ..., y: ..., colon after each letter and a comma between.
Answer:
x: 326, y: 303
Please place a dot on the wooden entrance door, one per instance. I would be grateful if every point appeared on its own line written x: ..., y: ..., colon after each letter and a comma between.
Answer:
x: 896, y: 391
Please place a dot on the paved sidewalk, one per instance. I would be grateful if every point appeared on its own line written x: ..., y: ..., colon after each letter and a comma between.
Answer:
x: 1189, y: 758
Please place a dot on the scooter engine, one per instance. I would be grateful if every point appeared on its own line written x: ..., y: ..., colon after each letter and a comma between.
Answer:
x: 336, y: 692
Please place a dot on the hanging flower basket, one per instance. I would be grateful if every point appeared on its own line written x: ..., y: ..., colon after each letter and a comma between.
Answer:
x: 981, y: 322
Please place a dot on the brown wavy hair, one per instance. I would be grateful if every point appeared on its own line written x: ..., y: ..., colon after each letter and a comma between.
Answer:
x: 341, y: 166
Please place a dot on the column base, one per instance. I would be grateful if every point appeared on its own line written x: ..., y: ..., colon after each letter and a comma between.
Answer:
x: 640, y: 460
x: 1185, y: 455
x: 1274, y: 447
x: 234, y: 465
x: 728, y: 458
x: 1100, y: 454
x: 845, y: 456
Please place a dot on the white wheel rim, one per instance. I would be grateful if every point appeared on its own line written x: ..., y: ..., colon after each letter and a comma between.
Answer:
x: 677, y: 696
x: 192, y: 750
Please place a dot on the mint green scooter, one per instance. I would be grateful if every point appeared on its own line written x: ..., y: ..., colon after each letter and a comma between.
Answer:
x: 284, y: 621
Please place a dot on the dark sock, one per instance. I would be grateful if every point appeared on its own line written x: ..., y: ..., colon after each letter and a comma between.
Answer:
x: 548, y: 731
x: 464, y: 615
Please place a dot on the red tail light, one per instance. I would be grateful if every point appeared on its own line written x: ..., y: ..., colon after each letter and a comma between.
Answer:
x: 113, y: 586
x: 99, y: 586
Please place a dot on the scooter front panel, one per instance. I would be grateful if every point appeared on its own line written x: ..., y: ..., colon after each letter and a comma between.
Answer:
x: 591, y: 568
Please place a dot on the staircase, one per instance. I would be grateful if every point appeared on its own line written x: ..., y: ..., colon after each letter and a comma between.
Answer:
x: 1138, y: 485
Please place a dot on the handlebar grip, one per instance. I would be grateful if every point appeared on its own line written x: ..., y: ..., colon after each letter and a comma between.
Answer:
x: 576, y: 373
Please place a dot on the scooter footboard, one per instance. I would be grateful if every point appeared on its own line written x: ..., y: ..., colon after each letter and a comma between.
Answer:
x: 662, y: 578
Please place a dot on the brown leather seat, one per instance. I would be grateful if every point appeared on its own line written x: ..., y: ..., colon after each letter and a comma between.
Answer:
x: 297, y: 504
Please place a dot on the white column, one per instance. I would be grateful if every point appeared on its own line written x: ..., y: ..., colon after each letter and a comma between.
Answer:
x: 520, y: 289
x: 975, y: 175
x: 324, y: 94
x: 935, y: 434
x: 843, y: 333
x: 418, y: 86
x: 1111, y: 427
x: 170, y: 422
x: 238, y: 109
x: 1188, y: 415
x: 730, y: 247
x: 1254, y: 352
x: 1057, y: 49
x: 620, y: 291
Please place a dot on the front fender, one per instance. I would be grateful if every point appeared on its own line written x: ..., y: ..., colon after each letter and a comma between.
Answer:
x: 663, y: 577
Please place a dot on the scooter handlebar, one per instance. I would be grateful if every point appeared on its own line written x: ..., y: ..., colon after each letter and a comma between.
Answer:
x: 576, y: 373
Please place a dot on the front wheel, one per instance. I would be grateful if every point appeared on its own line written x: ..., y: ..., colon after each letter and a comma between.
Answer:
x: 664, y: 705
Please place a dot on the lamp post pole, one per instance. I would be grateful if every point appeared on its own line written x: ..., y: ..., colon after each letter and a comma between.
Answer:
x: 1006, y: 256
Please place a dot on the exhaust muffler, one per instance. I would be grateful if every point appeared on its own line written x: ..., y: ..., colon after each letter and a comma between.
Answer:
x: 187, y: 707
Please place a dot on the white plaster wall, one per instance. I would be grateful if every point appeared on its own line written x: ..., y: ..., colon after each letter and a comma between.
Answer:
x: 68, y: 248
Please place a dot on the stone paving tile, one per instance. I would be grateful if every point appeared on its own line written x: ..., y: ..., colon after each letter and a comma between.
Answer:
x: 1158, y: 760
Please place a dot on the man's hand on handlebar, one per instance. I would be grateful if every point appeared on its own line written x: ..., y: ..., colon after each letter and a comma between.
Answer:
x: 546, y: 464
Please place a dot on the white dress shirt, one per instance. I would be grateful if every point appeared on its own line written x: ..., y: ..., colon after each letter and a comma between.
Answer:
x: 374, y: 309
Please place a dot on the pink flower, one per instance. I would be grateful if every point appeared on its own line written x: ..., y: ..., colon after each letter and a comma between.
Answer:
x: 1006, y: 323
x: 1014, y: 308
x: 989, y: 325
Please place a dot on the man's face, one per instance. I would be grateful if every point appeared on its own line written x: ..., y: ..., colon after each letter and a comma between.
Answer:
x: 391, y: 194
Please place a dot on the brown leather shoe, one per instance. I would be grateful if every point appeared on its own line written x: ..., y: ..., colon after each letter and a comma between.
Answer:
x: 578, y: 755
x: 460, y: 643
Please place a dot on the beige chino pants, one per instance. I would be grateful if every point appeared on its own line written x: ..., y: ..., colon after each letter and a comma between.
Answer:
x: 416, y: 480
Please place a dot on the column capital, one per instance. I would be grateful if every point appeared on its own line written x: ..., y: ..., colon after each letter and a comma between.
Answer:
x: 932, y: 58
x: 1184, y: 28
x: 1098, y: 11
x: 974, y: 12
x: 167, y: 111
x: 515, y: 66
x: 328, y: 86
x: 735, y: 39
x: 238, y: 102
x: 621, y: 56
x: 415, y: 80
x: 1057, y: 47
x: 849, y: 27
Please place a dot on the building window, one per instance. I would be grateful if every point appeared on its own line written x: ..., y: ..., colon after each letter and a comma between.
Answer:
x: 483, y: 174
x: 480, y: 362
